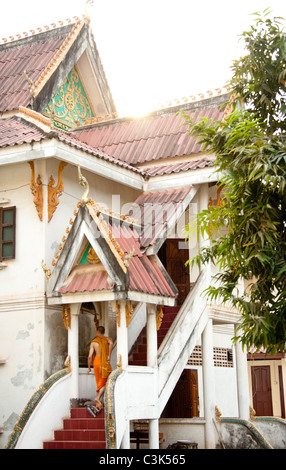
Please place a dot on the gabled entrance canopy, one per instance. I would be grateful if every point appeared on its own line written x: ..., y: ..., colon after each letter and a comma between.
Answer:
x: 101, y: 260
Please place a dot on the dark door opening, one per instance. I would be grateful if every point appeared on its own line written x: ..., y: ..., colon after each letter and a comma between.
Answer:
x: 184, y: 401
x: 174, y: 256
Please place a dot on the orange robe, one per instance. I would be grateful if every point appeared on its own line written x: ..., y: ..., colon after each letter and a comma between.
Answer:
x: 101, y: 366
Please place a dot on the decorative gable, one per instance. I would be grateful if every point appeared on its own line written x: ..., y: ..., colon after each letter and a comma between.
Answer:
x: 102, y: 256
x: 70, y: 106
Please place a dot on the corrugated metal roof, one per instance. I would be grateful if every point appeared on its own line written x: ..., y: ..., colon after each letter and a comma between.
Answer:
x: 86, y: 278
x: 154, y: 210
x: 149, y: 138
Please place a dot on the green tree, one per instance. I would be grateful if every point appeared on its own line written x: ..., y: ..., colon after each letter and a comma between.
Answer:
x: 250, y: 150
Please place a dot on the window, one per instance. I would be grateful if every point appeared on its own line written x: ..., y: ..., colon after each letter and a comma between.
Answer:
x: 7, y: 232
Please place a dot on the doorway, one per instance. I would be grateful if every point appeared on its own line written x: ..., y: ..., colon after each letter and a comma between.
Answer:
x: 174, y: 254
x: 261, y: 390
x: 184, y: 401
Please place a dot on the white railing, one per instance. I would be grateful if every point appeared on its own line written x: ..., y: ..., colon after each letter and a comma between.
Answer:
x: 142, y: 392
x: 182, y: 337
x: 46, y: 415
x: 135, y: 397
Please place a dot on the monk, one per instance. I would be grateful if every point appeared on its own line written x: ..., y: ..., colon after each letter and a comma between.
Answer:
x: 99, y: 355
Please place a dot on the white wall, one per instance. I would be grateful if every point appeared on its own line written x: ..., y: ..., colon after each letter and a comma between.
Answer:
x: 31, y: 335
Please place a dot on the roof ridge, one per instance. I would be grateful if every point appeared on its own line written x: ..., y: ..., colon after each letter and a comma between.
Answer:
x: 107, y: 119
x: 32, y: 32
x: 194, y: 97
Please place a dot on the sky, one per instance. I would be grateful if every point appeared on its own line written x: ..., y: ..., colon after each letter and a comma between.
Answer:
x: 153, y: 51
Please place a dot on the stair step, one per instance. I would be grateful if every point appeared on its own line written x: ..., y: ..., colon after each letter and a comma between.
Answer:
x: 74, y: 445
x: 84, y: 423
x: 83, y: 413
x: 80, y: 435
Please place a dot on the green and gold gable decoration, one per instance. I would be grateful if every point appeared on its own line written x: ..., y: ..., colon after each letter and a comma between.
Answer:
x: 70, y: 107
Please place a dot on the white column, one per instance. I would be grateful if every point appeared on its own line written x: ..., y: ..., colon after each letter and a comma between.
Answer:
x: 242, y: 382
x: 122, y: 335
x: 73, y: 349
x: 153, y: 434
x: 209, y: 385
x: 152, y: 346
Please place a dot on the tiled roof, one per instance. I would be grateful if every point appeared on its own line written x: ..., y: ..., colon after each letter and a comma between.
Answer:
x: 71, y: 140
x: 34, y: 56
x: 154, y: 210
x: 177, y: 167
x: 16, y: 132
x: 145, y: 274
x: 152, y: 137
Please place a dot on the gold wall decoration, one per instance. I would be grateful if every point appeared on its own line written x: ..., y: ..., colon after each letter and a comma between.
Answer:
x: 37, y: 191
x: 159, y: 317
x: 66, y: 316
x: 46, y: 270
x: 128, y: 312
x: 252, y: 413
x: 116, y: 310
x: 55, y: 192
x: 217, y: 413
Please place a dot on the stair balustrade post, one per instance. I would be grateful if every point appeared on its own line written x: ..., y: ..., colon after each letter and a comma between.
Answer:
x: 208, y: 384
x: 242, y: 382
x: 73, y: 351
x: 152, y: 346
x: 152, y: 354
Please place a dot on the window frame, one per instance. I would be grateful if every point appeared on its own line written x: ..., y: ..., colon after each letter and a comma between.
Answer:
x: 3, y: 242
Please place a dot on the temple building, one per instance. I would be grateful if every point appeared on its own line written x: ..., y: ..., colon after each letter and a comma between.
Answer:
x: 93, y: 210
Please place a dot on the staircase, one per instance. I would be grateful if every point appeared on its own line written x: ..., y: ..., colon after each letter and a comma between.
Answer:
x: 80, y: 431
x: 138, y: 354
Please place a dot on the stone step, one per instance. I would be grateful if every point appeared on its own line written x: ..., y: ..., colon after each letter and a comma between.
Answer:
x: 80, y: 435
x: 75, y: 445
x: 80, y: 431
x: 84, y: 423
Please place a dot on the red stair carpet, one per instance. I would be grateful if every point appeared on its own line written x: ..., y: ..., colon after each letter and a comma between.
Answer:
x: 80, y: 431
x: 138, y: 354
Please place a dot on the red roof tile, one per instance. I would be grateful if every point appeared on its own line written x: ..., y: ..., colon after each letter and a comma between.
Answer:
x: 30, y: 55
x: 178, y: 167
x: 15, y: 58
x: 152, y: 137
x: 154, y: 210
x: 16, y: 132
